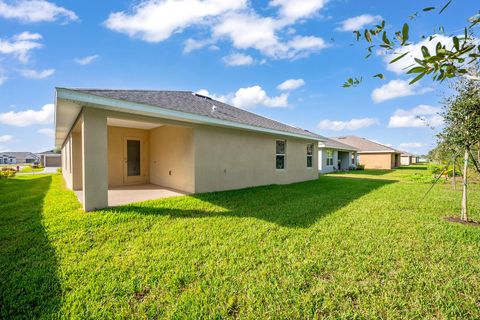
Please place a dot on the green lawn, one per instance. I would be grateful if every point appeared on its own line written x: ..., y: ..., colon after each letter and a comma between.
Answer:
x: 351, y: 245
x: 30, y: 169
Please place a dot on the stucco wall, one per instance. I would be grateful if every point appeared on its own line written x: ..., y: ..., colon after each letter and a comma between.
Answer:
x: 172, y: 157
x: 116, y: 156
x: 405, y: 160
x: 377, y: 160
x: 232, y: 159
x: 66, y: 162
x: 322, y: 160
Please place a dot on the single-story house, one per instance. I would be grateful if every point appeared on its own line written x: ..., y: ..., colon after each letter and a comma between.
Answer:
x: 407, y: 158
x: 23, y: 157
x: 334, y: 156
x: 174, y: 139
x: 7, y: 159
x: 371, y: 154
x: 50, y: 158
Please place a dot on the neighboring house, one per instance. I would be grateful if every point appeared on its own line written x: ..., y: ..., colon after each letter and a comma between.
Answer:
x: 7, y: 159
x: 175, y: 139
x: 334, y: 155
x: 23, y: 157
x: 407, y: 159
x: 371, y: 154
x: 50, y: 158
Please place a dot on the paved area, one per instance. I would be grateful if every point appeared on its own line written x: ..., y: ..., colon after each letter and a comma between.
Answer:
x: 123, y: 195
x: 44, y: 171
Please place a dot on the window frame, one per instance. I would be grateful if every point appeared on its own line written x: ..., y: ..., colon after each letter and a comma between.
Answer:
x: 284, y: 154
x: 310, y: 156
x: 329, y: 152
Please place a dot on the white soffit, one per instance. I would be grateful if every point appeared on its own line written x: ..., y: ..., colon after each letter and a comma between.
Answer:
x: 132, y: 124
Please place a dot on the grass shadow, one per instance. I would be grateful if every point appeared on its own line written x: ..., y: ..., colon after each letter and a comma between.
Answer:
x: 293, y: 205
x: 29, y: 286
x: 413, y: 167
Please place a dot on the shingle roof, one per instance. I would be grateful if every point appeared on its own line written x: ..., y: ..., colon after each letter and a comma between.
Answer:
x: 21, y: 155
x: 189, y: 102
x: 334, y: 144
x: 364, y: 145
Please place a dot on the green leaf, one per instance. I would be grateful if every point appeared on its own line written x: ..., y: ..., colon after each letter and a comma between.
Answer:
x: 416, y: 70
x: 420, y: 76
x: 405, y: 33
x: 445, y: 6
x: 357, y: 34
x: 425, y: 52
x: 456, y: 43
x: 428, y: 9
x: 379, y: 75
x: 399, y: 57
x: 367, y: 36
x: 385, y: 38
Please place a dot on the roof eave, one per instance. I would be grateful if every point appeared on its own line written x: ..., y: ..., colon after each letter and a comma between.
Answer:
x: 143, y: 109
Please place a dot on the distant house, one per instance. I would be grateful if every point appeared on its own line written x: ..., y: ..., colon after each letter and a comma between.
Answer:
x: 7, y: 159
x: 371, y: 154
x: 23, y: 157
x: 334, y: 155
x: 50, y: 158
x: 407, y: 159
x: 174, y: 139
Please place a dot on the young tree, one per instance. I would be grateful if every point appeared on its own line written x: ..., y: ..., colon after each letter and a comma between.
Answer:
x: 462, y: 127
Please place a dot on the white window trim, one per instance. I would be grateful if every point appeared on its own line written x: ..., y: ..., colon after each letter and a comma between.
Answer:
x: 327, y: 158
x: 281, y: 154
x: 310, y: 155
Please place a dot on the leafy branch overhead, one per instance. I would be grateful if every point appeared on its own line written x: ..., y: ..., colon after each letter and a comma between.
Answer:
x: 446, y: 61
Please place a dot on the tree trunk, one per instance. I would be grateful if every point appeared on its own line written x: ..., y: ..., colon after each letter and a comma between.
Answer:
x: 454, y: 180
x: 464, y: 214
x: 478, y: 152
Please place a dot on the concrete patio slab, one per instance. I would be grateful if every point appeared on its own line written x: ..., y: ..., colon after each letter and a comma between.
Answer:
x: 136, y: 193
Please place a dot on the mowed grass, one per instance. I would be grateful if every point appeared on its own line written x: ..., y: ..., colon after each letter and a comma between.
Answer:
x: 355, y: 245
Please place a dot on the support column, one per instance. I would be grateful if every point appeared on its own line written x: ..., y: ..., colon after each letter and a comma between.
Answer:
x: 95, y: 159
x: 77, y: 160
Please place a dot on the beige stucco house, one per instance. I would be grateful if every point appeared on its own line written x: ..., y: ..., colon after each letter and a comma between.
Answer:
x: 371, y: 154
x: 334, y: 156
x: 407, y: 158
x: 173, y: 139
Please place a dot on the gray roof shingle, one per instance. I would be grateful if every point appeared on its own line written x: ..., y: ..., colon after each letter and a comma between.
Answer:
x: 189, y: 102
x: 364, y: 145
x: 334, y: 144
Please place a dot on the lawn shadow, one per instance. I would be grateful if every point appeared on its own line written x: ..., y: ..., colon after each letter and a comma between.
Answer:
x: 413, y: 167
x: 294, y: 205
x: 29, y: 285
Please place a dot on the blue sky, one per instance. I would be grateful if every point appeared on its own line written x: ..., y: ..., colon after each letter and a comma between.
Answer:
x: 242, y: 52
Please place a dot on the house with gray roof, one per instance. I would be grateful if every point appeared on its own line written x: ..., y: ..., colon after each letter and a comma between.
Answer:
x: 23, y: 157
x: 372, y: 154
x: 407, y: 158
x: 114, y: 140
x: 334, y: 156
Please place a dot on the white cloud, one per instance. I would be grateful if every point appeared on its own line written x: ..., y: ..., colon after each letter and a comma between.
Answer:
x: 157, y: 20
x: 238, y: 59
x: 255, y: 96
x: 404, y: 64
x: 420, y: 116
x: 28, y: 117
x: 351, y: 125
x: 358, y: 22
x: 20, y: 45
x: 49, y: 132
x: 292, y: 10
x: 3, y: 79
x: 35, y: 11
x: 291, y: 84
x: 6, y: 138
x: 37, y: 75
x: 397, y: 89
x: 204, y: 92
x: 86, y: 60
x: 410, y: 145
x: 233, y: 20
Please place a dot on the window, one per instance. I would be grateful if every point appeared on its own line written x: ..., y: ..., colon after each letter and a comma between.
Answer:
x: 280, y: 154
x: 329, y: 157
x: 353, y: 158
x: 309, y: 155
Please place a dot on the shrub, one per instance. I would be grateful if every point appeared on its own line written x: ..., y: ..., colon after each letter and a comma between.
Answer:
x: 7, y: 172
x: 435, y: 168
x: 360, y: 167
x: 59, y: 170
x: 422, y: 178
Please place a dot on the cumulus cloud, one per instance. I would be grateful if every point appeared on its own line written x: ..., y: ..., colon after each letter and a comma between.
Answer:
x: 20, y: 45
x: 49, y: 132
x: 420, y: 116
x: 28, y: 117
x: 358, y: 22
x: 410, y: 145
x: 35, y: 11
x: 396, y: 89
x: 6, y: 138
x: 255, y: 96
x: 225, y: 19
x: 2, y: 79
x: 351, y: 125
x: 238, y: 59
x: 291, y: 84
x: 86, y: 60
x: 37, y: 75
